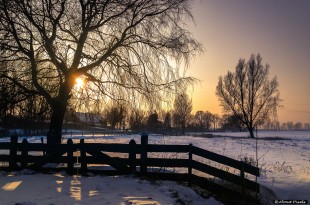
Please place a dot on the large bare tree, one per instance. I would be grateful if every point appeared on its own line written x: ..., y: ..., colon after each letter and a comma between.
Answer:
x: 248, y: 93
x: 118, y: 47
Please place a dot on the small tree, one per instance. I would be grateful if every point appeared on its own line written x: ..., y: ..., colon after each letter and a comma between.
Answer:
x: 248, y: 93
x: 199, y: 119
x: 215, y: 119
x: 182, y: 109
x: 208, y: 119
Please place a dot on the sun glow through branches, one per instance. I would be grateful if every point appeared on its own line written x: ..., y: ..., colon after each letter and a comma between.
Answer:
x: 79, y: 83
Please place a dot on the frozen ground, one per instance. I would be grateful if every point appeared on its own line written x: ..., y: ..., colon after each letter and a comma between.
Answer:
x: 27, y: 188
x: 284, y: 158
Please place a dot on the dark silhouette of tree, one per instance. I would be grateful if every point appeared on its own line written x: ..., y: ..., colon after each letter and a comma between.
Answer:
x: 200, y: 120
x: 231, y: 122
x: 182, y: 109
x: 167, y: 122
x: 248, y: 93
x: 215, y: 118
x: 290, y: 125
x: 284, y: 126
x: 298, y: 126
x: 115, y: 46
x: 116, y: 116
x: 30, y: 108
x: 136, y: 120
x: 153, y: 122
x: 208, y: 116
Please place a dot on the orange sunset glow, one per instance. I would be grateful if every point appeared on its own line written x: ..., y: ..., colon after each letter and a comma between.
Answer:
x: 230, y: 30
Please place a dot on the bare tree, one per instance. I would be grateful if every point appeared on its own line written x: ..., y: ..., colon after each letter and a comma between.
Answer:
x: 116, y: 115
x: 199, y: 119
x: 116, y: 47
x: 215, y: 119
x: 208, y: 119
x: 135, y: 120
x: 248, y: 93
x: 231, y: 122
x: 290, y: 125
x: 284, y: 126
x: 298, y: 126
x: 167, y: 122
x: 182, y: 109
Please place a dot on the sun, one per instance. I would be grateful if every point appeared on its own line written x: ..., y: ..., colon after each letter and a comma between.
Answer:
x: 79, y: 83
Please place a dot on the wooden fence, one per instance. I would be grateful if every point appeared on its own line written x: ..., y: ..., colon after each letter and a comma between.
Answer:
x: 78, y: 157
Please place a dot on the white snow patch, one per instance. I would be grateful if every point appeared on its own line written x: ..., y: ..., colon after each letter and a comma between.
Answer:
x: 22, y: 189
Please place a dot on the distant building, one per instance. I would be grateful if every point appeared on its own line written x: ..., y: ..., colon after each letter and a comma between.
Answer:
x: 89, y: 118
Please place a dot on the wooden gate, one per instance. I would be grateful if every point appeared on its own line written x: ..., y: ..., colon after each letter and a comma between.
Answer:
x: 78, y: 158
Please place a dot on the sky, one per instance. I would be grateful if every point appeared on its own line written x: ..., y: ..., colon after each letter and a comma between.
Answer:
x: 277, y: 29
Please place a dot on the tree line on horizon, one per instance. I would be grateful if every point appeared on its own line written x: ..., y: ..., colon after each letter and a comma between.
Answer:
x: 178, y: 120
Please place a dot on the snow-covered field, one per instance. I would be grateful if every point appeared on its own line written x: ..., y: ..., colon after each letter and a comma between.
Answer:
x: 27, y: 188
x: 284, y: 159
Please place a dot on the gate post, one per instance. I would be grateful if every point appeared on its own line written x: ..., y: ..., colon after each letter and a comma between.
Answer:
x: 242, y: 176
x: 190, y: 159
x: 13, y: 152
x: 24, y: 156
x: 83, y: 157
x: 70, y: 156
x: 132, y: 156
x: 144, y: 143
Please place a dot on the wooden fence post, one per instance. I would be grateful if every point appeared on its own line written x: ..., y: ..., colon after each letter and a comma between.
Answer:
x: 70, y: 156
x: 242, y: 176
x: 24, y: 155
x: 190, y: 159
x: 42, y: 142
x: 132, y: 156
x: 13, y: 152
x: 83, y: 157
x: 144, y: 143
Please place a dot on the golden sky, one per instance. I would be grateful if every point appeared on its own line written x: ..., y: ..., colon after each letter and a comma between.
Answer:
x: 229, y: 30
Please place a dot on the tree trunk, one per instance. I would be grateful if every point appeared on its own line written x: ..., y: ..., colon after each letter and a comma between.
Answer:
x: 55, y: 126
x: 251, y: 132
x: 183, y: 128
x: 59, y: 106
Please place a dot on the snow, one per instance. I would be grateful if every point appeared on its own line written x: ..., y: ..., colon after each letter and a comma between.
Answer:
x: 28, y: 188
x: 283, y: 158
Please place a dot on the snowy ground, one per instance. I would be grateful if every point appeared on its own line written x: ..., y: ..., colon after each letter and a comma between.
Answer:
x: 284, y: 159
x: 26, y: 188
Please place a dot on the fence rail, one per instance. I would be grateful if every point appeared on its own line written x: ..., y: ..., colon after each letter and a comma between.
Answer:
x: 79, y: 156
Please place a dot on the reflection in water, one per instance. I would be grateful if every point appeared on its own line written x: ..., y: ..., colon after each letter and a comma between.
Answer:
x: 11, y: 186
